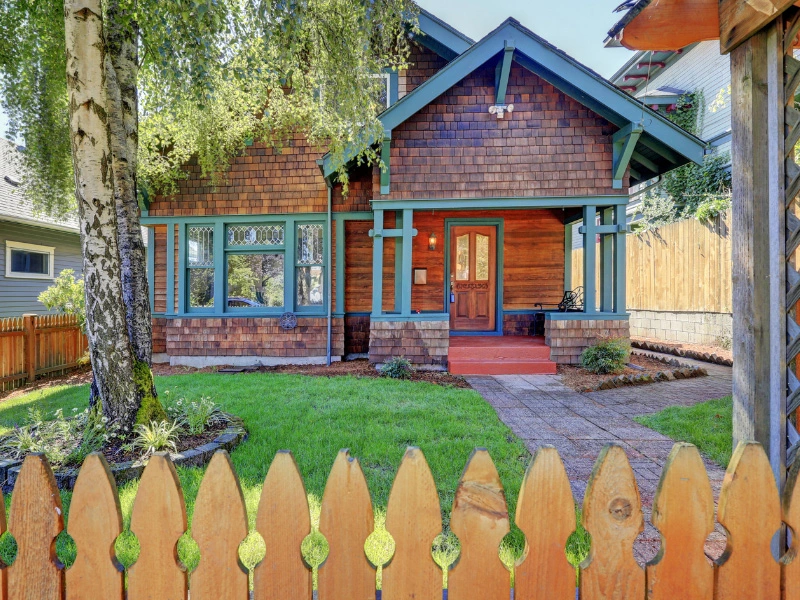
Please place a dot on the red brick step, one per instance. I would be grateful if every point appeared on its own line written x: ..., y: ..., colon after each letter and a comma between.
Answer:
x: 499, y: 355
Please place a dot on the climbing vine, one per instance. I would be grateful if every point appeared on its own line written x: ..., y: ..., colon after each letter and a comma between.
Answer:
x: 691, y: 191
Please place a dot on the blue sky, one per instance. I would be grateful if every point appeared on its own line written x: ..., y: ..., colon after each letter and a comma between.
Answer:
x: 576, y: 26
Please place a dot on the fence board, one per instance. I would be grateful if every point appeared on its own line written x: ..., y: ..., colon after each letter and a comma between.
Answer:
x: 480, y: 520
x: 414, y: 519
x: 683, y: 511
x: 750, y: 511
x: 158, y: 520
x: 790, y: 568
x: 612, y: 514
x: 95, y: 521
x: 683, y: 266
x: 346, y: 520
x: 36, y: 519
x: 283, y: 520
x: 546, y: 515
x: 219, y: 525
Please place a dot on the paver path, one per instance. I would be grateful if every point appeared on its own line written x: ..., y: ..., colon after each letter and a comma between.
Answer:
x: 541, y: 410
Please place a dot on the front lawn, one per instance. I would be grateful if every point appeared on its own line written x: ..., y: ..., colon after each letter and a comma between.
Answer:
x: 708, y: 425
x: 314, y: 417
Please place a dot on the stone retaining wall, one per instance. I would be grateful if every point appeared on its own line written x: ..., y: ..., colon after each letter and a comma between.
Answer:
x: 568, y: 338
x: 421, y: 342
x: 712, y: 329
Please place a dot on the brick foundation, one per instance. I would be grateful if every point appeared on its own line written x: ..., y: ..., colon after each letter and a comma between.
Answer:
x: 568, y: 338
x: 252, y: 337
x: 518, y: 324
x: 421, y: 342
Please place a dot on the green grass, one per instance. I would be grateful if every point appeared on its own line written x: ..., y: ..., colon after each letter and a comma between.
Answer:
x: 707, y: 425
x: 314, y: 417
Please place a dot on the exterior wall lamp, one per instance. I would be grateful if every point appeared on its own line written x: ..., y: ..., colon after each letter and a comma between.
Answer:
x: 432, y: 241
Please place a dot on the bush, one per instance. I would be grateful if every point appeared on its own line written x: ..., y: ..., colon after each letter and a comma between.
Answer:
x: 66, y: 296
x: 397, y: 367
x: 607, y: 356
x: 156, y: 437
x: 197, y: 415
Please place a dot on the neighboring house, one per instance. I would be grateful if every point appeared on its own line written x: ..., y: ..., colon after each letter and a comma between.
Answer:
x: 34, y: 248
x: 492, y: 149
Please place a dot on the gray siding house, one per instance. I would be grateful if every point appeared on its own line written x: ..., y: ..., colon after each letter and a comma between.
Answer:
x: 34, y: 248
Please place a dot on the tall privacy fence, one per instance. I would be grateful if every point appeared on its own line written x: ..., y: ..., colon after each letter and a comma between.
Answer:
x: 684, y: 267
x: 36, y: 345
x: 683, y: 510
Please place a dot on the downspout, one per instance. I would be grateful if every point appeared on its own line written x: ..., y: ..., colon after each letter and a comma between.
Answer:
x: 329, y: 271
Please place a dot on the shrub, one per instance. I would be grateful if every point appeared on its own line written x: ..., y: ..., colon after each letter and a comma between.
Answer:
x: 608, y: 356
x: 397, y: 367
x: 66, y: 296
x: 156, y: 437
x: 197, y: 415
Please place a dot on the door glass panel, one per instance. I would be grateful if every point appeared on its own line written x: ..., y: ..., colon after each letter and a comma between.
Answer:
x: 482, y: 257
x: 462, y: 257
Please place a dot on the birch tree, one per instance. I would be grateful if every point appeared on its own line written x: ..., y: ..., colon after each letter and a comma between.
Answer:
x: 149, y: 85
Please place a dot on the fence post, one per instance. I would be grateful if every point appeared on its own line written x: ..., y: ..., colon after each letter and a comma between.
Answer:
x: 29, y: 327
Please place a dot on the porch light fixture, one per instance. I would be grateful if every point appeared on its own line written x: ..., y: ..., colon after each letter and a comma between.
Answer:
x: 432, y: 241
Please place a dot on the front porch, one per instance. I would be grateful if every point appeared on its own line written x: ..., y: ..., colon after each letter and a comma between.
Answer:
x: 474, y: 286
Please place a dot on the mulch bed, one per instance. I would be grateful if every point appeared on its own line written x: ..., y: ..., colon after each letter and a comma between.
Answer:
x: 582, y: 380
x: 712, y: 354
x: 115, y: 454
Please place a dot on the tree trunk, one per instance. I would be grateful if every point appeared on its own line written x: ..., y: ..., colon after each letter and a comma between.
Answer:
x: 109, y: 346
x: 121, y: 33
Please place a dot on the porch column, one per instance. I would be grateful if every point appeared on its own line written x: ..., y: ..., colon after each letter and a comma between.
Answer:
x: 589, y: 254
x: 406, y: 271
x: 620, y: 259
x: 606, y: 262
x: 568, y: 256
x: 377, y: 264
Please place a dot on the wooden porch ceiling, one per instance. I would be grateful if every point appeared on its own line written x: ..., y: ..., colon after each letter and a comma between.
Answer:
x: 674, y: 24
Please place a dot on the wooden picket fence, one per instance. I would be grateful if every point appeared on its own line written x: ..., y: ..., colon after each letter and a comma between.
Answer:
x: 36, y: 345
x: 683, y: 511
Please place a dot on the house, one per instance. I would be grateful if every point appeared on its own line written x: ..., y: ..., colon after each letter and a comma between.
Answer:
x: 34, y: 248
x: 451, y: 254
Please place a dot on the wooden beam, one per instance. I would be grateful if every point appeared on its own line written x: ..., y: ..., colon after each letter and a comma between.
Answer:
x: 503, y: 70
x: 386, y: 172
x: 739, y: 20
x: 624, y: 142
x: 671, y: 24
x: 607, y: 262
x: 645, y: 162
x: 589, y: 254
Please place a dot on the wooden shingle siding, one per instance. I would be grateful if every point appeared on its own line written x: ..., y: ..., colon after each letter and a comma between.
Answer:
x: 358, y: 266
x: 160, y: 271
x: 551, y: 145
x: 422, y: 65
x: 247, y: 336
x: 18, y: 296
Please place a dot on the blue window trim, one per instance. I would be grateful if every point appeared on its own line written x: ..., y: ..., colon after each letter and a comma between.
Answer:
x: 221, y: 250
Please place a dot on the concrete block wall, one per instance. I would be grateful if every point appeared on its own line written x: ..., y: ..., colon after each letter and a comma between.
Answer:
x: 714, y: 329
x: 424, y: 343
x: 569, y: 338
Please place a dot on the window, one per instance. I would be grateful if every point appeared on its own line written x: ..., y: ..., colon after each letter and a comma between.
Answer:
x: 200, y: 267
x: 254, y: 263
x: 29, y: 261
x: 384, y: 96
x: 309, y: 267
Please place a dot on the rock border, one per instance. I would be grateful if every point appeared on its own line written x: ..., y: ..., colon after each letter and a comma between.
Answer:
x: 665, y: 349
x: 682, y: 371
x: 233, y: 435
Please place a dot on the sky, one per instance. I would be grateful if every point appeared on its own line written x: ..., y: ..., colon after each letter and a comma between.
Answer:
x: 576, y: 26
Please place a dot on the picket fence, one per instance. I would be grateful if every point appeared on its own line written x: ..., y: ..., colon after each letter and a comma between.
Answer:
x: 36, y: 345
x: 683, y: 510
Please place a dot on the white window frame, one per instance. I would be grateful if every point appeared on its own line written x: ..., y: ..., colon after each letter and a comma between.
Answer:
x: 388, y: 78
x: 10, y: 245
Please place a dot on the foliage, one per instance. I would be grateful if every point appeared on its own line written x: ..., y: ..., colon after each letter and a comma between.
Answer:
x: 708, y: 425
x: 198, y: 415
x: 155, y: 437
x: 63, y: 440
x: 212, y: 75
x: 315, y: 417
x: 690, y: 191
x: 397, y: 367
x: 608, y: 356
x: 66, y: 295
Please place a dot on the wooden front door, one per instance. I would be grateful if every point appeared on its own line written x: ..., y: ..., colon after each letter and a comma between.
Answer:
x: 473, y: 278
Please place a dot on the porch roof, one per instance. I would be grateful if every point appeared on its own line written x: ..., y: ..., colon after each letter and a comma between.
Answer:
x: 660, y: 147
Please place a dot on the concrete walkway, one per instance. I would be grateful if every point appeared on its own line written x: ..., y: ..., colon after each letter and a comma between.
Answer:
x: 541, y: 410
